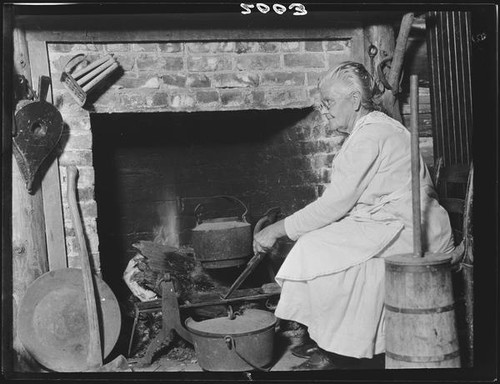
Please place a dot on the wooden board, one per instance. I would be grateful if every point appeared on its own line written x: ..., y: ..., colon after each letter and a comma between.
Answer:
x: 29, y: 254
x: 51, y: 189
x: 29, y: 251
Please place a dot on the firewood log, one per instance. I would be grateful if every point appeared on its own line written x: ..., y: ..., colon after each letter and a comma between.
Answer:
x: 186, y: 273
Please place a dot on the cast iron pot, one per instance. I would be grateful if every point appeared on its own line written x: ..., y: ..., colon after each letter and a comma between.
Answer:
x: 222, y: 242
x: 240, y: 342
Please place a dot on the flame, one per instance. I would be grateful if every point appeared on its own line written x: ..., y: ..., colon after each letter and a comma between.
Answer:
x: 167, y: 233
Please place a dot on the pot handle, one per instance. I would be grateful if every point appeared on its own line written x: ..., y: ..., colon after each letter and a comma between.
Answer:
x: 197, y: 212
x: 231, y: 345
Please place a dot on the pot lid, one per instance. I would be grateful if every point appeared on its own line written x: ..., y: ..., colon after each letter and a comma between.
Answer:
x: 251, y: 320
x: 214, y: 226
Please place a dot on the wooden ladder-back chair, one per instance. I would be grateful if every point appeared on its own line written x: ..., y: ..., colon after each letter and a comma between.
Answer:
x: 454, y: 185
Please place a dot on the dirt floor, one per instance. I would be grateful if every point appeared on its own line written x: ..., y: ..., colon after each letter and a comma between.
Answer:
x: 183, y: 359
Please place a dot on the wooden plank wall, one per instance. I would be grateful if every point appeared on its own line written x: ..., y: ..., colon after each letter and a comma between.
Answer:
x: 52, y: 202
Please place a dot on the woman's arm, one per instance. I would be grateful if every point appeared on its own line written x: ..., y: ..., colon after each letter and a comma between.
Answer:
x: 353, y: 172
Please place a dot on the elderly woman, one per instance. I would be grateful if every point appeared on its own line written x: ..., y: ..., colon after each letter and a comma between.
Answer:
x: 333, y: 278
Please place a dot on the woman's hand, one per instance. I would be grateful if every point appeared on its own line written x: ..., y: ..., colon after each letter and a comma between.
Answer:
x: 266, y: 238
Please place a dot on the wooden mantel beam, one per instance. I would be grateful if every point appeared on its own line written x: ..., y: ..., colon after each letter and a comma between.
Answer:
x: 200, y: 27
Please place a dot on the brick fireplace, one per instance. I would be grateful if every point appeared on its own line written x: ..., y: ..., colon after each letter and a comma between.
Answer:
x: 249, y: 79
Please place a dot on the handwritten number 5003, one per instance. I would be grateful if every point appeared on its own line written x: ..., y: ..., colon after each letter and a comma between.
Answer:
x: 299, y: 9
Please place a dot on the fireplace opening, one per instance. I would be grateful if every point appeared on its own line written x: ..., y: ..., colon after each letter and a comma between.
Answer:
x: 152, y: 169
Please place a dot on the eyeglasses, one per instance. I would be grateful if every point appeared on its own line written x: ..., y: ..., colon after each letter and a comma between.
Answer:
x: 327, y: 104
x: 324, y: 105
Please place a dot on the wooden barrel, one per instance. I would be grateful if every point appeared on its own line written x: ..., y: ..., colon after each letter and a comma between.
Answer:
x: 419, y: 313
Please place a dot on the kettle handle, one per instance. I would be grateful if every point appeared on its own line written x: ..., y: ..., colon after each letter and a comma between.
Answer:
x: 197, y: 212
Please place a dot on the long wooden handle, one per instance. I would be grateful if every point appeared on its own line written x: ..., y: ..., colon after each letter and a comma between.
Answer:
x: 415, y: 167
x: 399, y: 51
x: 94, y: 356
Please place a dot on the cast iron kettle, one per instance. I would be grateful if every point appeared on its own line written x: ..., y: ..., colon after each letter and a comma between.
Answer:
x: 222, y: 242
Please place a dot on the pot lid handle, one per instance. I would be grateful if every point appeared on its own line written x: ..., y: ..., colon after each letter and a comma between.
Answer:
x: 231, y: 315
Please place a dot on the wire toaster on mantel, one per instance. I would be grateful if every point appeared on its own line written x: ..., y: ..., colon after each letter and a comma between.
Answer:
x: 82, y: 81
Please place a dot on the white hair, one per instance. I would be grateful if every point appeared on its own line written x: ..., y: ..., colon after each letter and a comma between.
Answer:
x: 356, y: 78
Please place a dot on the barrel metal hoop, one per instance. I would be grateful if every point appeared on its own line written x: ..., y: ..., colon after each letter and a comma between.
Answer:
x: 417, y: 268
x: 420, y: 311
x: 423, y: 359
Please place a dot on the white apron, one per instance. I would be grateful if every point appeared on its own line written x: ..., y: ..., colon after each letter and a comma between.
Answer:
x: 342, y: 244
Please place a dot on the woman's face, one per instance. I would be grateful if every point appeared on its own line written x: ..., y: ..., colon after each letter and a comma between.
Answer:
x: 337, y: 106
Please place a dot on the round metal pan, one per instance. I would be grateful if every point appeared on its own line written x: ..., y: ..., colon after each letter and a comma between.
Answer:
x: 52, y: 320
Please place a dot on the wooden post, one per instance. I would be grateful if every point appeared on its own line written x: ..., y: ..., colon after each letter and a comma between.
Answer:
x: 399, y: 51
x: 382, y: 37
x: 390, y: 97
x: 29, y: 250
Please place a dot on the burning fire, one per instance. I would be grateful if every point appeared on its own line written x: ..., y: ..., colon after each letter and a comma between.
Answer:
x: 167, y: 233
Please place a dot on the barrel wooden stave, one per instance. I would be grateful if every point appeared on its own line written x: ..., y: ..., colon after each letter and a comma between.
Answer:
x: 419, y: 313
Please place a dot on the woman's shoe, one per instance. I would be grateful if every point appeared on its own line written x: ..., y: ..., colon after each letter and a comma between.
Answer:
x: 317, y: 362
x: 305, y: 350
x: 323, y: 360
